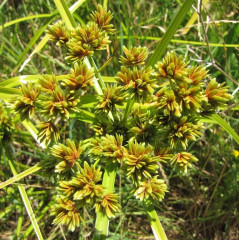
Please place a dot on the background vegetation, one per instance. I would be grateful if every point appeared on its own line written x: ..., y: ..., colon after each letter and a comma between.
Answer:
x: 203, y: 204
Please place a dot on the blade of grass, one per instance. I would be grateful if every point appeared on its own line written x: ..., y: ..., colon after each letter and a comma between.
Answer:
x: 7, y: 93
x: 192, y: 20
x: 163, y: 44
x: 15, y: 81
x: 182, y: 41
x: 25, y: 19
x: 36, y: 36
x: 225, y: 126
x: 19, y: 176
x: 25, y: 198
x: 19, y: 224
x: 65, y: 13
x: 3, y: 3
x: 31, y: 128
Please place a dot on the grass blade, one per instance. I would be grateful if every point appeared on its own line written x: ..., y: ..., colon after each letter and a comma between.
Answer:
x: 225, y: 126
x: 162, y: 45
x: 181, y: 41
x: 65, y: 13
x: 31, y: 128
x: 7, y: 93
x: 31, y: 43
x: 25, y: 19
x: 25, y: 199
x: 19, y: 176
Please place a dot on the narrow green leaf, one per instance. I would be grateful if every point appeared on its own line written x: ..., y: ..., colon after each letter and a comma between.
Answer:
x: 15, y: 81
x: 65, y: 13
x: 186, y: 42
x: 162, y: 45
x: 31, y: 43
x: 25, y: 199
x: 225, y: 126
x: 7, y: 93
x: 19, y: 176
x: 33, y: 131
x: 25, y: 19
x: 84, y: 116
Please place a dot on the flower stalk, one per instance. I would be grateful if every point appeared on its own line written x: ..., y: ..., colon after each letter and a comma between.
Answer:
x: 102, y: 221
x: 156, y: 226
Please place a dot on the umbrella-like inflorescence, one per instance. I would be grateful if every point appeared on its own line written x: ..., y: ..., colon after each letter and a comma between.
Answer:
x: 146, y: 118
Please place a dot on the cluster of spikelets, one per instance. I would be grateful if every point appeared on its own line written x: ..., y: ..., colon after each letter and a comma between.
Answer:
x: 162, y: 123
x: 53, y: 99
x: 164, y: 106
x: 83, y: 188
x: 83, y: 41
x: 56, y: 98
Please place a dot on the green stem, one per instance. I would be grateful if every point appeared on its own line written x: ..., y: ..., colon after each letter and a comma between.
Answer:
x: 19, y: 176
x: 128, y: 109
x: 97, y: 73
x: 156, y: 226
x: 102, y: 221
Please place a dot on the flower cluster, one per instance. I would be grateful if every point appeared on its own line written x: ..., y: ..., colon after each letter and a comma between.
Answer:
x: 84, y: 40
x: 83, y: 190
x: 148, y: 117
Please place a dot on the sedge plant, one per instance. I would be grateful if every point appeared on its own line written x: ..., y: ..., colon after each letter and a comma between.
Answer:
x: 146, y: 116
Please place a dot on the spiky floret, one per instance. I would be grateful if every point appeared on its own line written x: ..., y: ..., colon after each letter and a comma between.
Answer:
x: 25, y: 104
x: 197, y: 74
x: 108, y: 205
x: 217, y: 94
x: 191, y: 98
x: 167, y: 102
x: 139, y: 83
x: 140, y: 162
x: 183, y: 160
x: 162, y: 153
x: 174, y: 68
x: 154, y: 188
x: 85, y: 184
x: 68, y: 155
x: 109, y: 148
x: 102, y: 18
x: 58, y: 33
x: 66, y: 189
x: 77, y: 51
x: 142, y: 127
x: 48, y: 83
x: 48, y: 131
x: 111, y: 97
x: 113, y: 147
x: 183, y: 130
x: 90, y: 35
x: 66, y: 213
x: 134, y: 56
x: 81, y: 77
x: 61, y: 103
